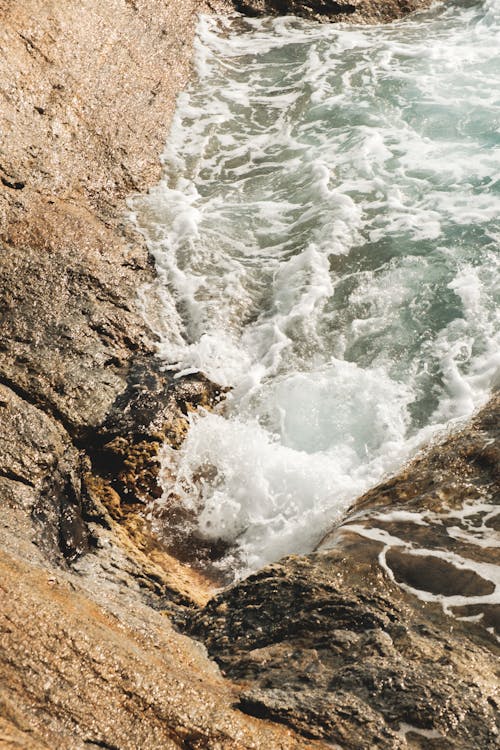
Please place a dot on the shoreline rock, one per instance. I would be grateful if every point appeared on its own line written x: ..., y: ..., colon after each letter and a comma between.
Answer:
x: 363, y: 643
x: 89, y: 655
x: 87, y: 96
x: 326, y: 11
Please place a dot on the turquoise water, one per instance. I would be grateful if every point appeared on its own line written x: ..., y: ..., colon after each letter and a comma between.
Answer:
x: 327, y: 235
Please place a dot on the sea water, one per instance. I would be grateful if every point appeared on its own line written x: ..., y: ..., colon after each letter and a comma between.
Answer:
x: 327, y: 236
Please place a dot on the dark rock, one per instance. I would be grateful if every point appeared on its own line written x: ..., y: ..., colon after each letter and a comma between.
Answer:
x: 49, y: 470
x: 152, y: 396
x: 351, y: 11
x: 362, y: 643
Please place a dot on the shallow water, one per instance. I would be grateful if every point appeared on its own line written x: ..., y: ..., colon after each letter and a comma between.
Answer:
x: 327, y: 234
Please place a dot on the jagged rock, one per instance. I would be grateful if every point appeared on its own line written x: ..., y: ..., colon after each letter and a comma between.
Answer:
x: 363, y: 643
x: 153, y: 394
x: 333, y: 644
x: 346, y: 11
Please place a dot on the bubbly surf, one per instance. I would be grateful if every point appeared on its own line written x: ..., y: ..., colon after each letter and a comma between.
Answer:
x: 327, y: 237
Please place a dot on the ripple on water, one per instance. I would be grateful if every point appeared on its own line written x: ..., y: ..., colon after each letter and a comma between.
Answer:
x: 327, y: 229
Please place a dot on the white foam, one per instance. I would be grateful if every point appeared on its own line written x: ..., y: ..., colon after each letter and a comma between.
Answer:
x: 327, y: 227
x: 405, y: 729
x: 486, y: 571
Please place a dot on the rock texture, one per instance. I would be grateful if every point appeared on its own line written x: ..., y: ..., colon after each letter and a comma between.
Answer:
x: 76, y: 675
x: 86, y: 660
x: 87, y: 90
x: 388, y: 636
x: 345, y: 11
x: 357, y: 644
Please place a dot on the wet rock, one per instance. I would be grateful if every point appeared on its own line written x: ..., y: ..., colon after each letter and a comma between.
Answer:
x: 152, y: 410
x: 40, y: 479
x: 332, y: 648
x: 71, y: 265
x: 123, y: 480
x: 346, y: 11
x: 336, y: 645
x: 152, y: 395
x: 432, y: 574
x: 385, y: 637
x: 86, y: 104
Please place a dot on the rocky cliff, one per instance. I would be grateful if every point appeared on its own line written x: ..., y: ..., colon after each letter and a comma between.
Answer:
x: 333, y: 648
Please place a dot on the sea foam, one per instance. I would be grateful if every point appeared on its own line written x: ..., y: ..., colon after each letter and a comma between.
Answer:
x: 326, y: 234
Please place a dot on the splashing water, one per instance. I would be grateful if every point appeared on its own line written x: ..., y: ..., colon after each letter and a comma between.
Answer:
x: 326, y: 234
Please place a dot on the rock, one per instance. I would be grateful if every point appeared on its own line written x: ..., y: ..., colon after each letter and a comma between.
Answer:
x: 87, y: 95
x: 77, y: 674
x: 40, y: 480
x: 86, y: 104
x: 385, y: 637
x: 337, y: 645
x: 345, y: 11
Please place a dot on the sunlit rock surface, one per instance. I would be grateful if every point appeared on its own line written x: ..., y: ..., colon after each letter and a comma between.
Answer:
x: 340, y: 644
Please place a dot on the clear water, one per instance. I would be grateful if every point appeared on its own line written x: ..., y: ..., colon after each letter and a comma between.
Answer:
x: 327, y: 235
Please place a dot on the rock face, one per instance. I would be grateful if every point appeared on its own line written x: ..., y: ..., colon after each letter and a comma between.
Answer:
x: 345, y: 11
x: 86, y: 96
x: 77, y: 674
x: 387, y: 636
x: 358, y: 644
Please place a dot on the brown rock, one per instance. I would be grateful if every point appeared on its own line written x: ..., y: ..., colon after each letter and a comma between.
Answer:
x: 86, y: 99
x: 76, y: 675
x: 87, y: 93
